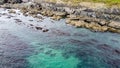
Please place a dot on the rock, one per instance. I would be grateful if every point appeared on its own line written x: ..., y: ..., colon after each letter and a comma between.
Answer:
x: 78, y: 23
x: 116, y: 11
x: 2, y: 1
x: 25, y: 1
x: 18, y: 20
x: 103, y: 23
x: 113, y: 30
x: 14, y: 1
x: 60, y: 13
x: 38, y: 28
x: 30, y: 20
x: 7, y: 6
x: 31, y: 25
x: 25, y: 14
x: 104, y: 28
x: 68, y: 21
x: 12, y: 11
x: 88, y: 10
x: 24, y: 10
x: 114, y: 24
x: 45, y: 30
x: 56, y: 17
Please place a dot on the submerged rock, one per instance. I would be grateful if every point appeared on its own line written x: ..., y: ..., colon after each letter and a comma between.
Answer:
x: 38, y: 28
x: 45, y: 30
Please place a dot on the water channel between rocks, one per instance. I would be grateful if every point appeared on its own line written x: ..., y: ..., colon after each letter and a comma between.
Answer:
x: 63, y: 46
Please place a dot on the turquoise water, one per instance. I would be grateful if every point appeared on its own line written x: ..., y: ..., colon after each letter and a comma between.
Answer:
x: 63, y: 46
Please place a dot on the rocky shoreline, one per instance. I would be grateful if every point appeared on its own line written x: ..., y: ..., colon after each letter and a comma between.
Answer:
x: 95, y: 19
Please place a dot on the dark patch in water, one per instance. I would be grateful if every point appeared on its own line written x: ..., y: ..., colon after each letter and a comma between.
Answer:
x: 41, y: 49
x: 48, y: 52
x: 53, y: 55
x: 114, y: 63
x: 114, y: 41
x: 14, y: 51
x: 117, y: 51
x: 74, y: 41
x: 59, y: 32
x: 104, y: 47
x: 80, y: 34
x: 93, y: 40
x: 65, y: 55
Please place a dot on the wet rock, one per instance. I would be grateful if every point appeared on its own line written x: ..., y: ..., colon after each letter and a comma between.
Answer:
x: 12, y: 11
x: 2, y: 1
x: 31, y: 25
x: 117, y: 51
x: 90, y: 18
x: 25, y: 1
x: 45, y: 30
x: 39, y: 17
x: 38, y: 28
x: 9, y: 17
x: 30, y: 20
x: 18, y: 20
x: 25, y: 14
x: 14, y: 1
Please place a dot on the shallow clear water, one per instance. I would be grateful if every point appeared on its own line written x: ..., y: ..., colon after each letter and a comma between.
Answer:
x: 63, y: 46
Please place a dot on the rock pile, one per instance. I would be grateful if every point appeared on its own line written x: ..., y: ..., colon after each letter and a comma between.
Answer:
x: 103, y: 19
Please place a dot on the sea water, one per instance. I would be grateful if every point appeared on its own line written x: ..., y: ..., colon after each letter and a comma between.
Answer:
x: 63, y: 46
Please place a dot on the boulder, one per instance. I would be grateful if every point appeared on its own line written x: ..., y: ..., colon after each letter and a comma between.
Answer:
x: 56, y: 17
x: 12, y: 11
x: 14, y: 1
x: 38, y: 28
x: 2, y: 1
x: 25, y: 1
x: 103, y: 22
x: 114, y: 24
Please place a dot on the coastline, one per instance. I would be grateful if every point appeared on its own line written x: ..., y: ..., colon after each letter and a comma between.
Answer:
x: 96, y: 19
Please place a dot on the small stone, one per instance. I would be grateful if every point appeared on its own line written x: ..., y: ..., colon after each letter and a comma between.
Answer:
x: 18, y: 20
x: 38, y: 28
x: 12, y: 11
x: 45, y: 30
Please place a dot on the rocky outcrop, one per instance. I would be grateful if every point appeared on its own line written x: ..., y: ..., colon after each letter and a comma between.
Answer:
x: 10, y: 1
x: 103, y: 19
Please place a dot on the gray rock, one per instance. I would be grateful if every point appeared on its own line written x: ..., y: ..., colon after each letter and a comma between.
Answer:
x: 2, y: 1
x: 114, y: 24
